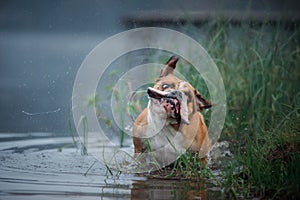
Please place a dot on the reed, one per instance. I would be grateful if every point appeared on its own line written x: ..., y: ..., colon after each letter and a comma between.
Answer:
x: 260, y: 69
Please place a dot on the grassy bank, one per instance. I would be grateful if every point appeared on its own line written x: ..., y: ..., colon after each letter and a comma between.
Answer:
x: 261, y: 72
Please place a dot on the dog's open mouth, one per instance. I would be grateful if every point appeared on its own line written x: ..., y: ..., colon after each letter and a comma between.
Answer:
x: 170, y: 100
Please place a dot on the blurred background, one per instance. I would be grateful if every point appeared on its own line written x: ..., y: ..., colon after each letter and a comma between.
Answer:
x: 43, y: 43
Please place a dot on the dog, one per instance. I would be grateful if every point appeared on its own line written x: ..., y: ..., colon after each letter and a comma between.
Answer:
x: 172, y: 122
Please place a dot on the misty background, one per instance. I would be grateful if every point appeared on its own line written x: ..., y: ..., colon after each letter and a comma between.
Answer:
x: 43, y: 43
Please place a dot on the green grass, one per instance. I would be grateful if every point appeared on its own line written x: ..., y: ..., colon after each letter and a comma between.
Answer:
x: 261, y: 73
x: 188, y: 165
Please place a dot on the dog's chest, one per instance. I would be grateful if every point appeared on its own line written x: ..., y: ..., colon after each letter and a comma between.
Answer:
x: 167, y: 138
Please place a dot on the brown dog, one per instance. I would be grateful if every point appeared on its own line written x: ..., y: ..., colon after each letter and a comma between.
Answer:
x: 172, y: 122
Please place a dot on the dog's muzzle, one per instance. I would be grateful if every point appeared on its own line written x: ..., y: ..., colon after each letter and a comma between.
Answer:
x: 170, y: 100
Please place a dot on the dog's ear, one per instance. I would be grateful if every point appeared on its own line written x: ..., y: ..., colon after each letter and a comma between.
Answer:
x: 170, y: 66
x: 201, y: 101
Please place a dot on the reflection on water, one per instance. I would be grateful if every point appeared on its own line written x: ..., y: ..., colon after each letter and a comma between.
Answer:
x: 171, y: 189
x: 35, y: 166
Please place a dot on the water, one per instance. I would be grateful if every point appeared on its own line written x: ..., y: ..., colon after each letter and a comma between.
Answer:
x: 41, y: 165
x: 36, y: 85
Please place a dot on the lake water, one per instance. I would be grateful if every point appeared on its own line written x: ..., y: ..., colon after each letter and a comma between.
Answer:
x: 37, y: 74
x: 44, y: 166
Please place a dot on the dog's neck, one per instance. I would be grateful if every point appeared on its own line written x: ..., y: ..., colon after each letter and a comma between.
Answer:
x: 157, y: 119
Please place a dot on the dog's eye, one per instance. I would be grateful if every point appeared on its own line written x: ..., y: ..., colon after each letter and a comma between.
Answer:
x: 164, y: 86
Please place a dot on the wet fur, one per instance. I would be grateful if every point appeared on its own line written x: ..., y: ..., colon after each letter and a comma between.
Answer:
x: 193, y: 134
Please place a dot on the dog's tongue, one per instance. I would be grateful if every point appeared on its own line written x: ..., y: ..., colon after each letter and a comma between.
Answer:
x: 176, y: 106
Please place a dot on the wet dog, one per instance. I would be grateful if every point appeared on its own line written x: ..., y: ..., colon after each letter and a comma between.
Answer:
x: 172, y: 122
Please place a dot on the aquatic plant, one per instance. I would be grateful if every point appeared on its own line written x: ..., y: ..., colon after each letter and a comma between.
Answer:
x: 259, y: 64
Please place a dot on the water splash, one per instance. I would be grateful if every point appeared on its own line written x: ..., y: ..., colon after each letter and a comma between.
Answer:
x: 41, y: 113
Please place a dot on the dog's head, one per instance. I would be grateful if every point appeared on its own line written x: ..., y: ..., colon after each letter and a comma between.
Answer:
x: 174, y: 97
